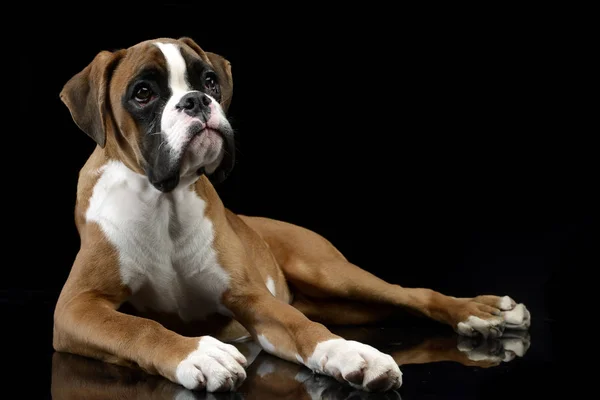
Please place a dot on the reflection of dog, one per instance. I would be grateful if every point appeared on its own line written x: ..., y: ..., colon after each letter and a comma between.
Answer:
x: 269, y: 377
x: 156, y: 236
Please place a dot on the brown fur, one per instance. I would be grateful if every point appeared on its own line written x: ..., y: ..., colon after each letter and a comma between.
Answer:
x: 91, y: 318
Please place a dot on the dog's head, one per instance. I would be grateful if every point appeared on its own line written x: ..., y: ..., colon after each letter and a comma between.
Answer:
x: 159, y: 107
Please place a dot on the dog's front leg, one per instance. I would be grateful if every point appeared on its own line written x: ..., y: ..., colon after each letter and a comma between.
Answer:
x: 285, y: 332
x: 87, y: 322
x: 91, y: 327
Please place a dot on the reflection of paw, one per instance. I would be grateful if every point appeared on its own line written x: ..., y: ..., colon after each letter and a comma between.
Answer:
x: 215, y: 366
x: 362, y: 366
x: 490, y: 316
x: 185, y: 394
x: 488, y: 352
x: 325, y: 387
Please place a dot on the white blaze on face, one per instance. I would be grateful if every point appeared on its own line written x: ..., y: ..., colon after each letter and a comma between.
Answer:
x: 175, y: 124
x: 207, y: 149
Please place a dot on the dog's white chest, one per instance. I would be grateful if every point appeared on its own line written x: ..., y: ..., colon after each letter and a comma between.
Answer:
x: 164, y: 243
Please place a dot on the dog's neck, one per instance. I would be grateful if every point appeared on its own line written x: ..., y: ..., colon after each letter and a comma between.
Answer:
x: 201, y: 184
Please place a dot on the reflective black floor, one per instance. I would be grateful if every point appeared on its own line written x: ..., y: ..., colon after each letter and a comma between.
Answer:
x: 436, y: 364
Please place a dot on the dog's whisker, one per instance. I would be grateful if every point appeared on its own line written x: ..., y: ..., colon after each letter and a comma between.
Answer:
x: 161, y: 144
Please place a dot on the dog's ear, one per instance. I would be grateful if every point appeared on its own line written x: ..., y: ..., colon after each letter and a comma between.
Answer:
x: 85, y: 95
x: 222, y: 68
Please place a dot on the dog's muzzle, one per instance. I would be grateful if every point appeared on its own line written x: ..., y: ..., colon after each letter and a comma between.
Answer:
x: 164, y: 172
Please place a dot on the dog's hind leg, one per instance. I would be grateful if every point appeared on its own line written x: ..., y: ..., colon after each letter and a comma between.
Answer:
x: 318, y: 272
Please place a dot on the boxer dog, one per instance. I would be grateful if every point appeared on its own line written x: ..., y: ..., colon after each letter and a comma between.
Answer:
x: 166, y: 274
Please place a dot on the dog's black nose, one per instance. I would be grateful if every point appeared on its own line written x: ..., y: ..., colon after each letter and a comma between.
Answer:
x: 193, y: 103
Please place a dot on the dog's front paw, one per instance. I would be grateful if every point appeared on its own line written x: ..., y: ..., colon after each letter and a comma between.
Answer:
x: 214, y: 365
x: 358, y: 364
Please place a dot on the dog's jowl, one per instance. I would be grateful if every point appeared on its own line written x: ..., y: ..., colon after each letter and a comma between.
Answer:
x: 155, y: 237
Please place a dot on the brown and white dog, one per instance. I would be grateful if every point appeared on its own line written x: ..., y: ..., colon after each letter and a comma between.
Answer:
x: 155, y: 237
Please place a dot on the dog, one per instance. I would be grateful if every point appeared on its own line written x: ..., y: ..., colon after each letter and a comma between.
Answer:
x: 166, y: 276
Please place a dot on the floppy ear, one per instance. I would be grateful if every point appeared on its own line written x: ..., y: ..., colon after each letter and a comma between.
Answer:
x: 85, y: 95
x: 222, y: 68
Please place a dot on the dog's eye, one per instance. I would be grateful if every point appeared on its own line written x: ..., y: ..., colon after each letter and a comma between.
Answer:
x: 143, y: 94
x: 211, y: 82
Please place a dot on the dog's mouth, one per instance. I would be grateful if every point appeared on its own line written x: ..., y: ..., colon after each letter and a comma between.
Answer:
x: 199, y: 129
x: 205, y: 140
x: 216, y: 143
x: 210, y: 142
x: 208, y: 132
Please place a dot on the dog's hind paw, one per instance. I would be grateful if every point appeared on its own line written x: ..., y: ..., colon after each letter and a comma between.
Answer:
x: 490, y: 316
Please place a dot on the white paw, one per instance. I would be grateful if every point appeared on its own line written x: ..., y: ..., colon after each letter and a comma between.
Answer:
x: 506, y: 303
x: 473, y: 326
x: 358, y: 364
x: 214, y: 365
x: 504, y: 349
x: 500, y: 315
x: 518, y: 318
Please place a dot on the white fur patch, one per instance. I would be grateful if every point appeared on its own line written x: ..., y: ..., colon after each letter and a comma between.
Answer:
x: 265, y: 344
x: 492, y: 327
x: 517, y: 318
x: 176, y: 65
x: 174, y: 125
x: 164, y: 242
x: 214, y: 365
x: 349, y: 357
x: 271, y: 285
x: 506, y: 303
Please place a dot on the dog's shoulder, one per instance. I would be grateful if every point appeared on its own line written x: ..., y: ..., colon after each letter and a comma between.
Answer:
x: 88, y: 177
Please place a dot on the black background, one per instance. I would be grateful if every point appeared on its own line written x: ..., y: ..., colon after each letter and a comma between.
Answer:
x: 434, y: 149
